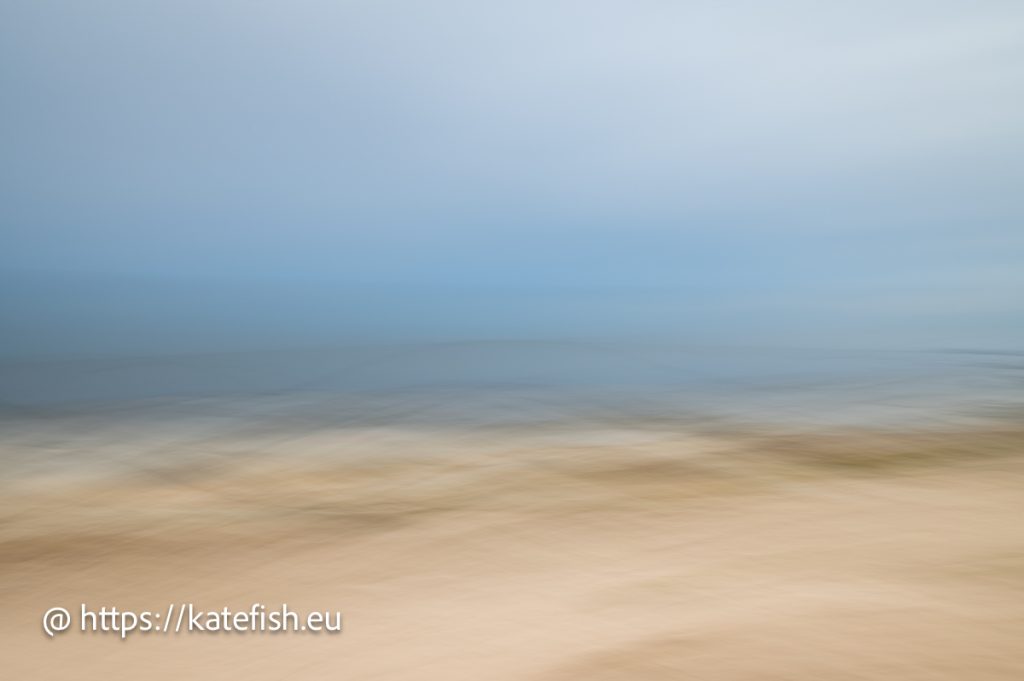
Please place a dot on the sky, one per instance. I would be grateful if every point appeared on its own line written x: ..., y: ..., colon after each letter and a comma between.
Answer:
x: 200, y: 176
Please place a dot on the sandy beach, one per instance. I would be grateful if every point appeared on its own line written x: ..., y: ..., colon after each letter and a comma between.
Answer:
x: 548, y: 554
x: 526, y: 341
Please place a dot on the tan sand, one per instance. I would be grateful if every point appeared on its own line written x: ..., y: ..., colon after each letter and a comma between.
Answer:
x: 613, y: 557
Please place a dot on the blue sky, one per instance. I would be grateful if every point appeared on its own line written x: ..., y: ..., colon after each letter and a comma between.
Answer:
x: 210, y: 175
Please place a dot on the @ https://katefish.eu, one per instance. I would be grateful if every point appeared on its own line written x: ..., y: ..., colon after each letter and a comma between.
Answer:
x: 186, y: 618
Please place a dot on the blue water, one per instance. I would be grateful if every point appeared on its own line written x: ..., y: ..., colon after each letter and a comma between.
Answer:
x: 524, y: 381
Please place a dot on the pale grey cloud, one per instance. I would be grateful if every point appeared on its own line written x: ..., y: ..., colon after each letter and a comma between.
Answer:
x: 724, y: 154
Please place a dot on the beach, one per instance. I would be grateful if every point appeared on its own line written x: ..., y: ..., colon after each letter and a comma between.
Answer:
x: 529, y: 341
x: 565, y: 549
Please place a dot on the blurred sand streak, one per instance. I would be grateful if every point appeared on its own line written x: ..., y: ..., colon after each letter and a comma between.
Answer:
x: 848, y: 554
